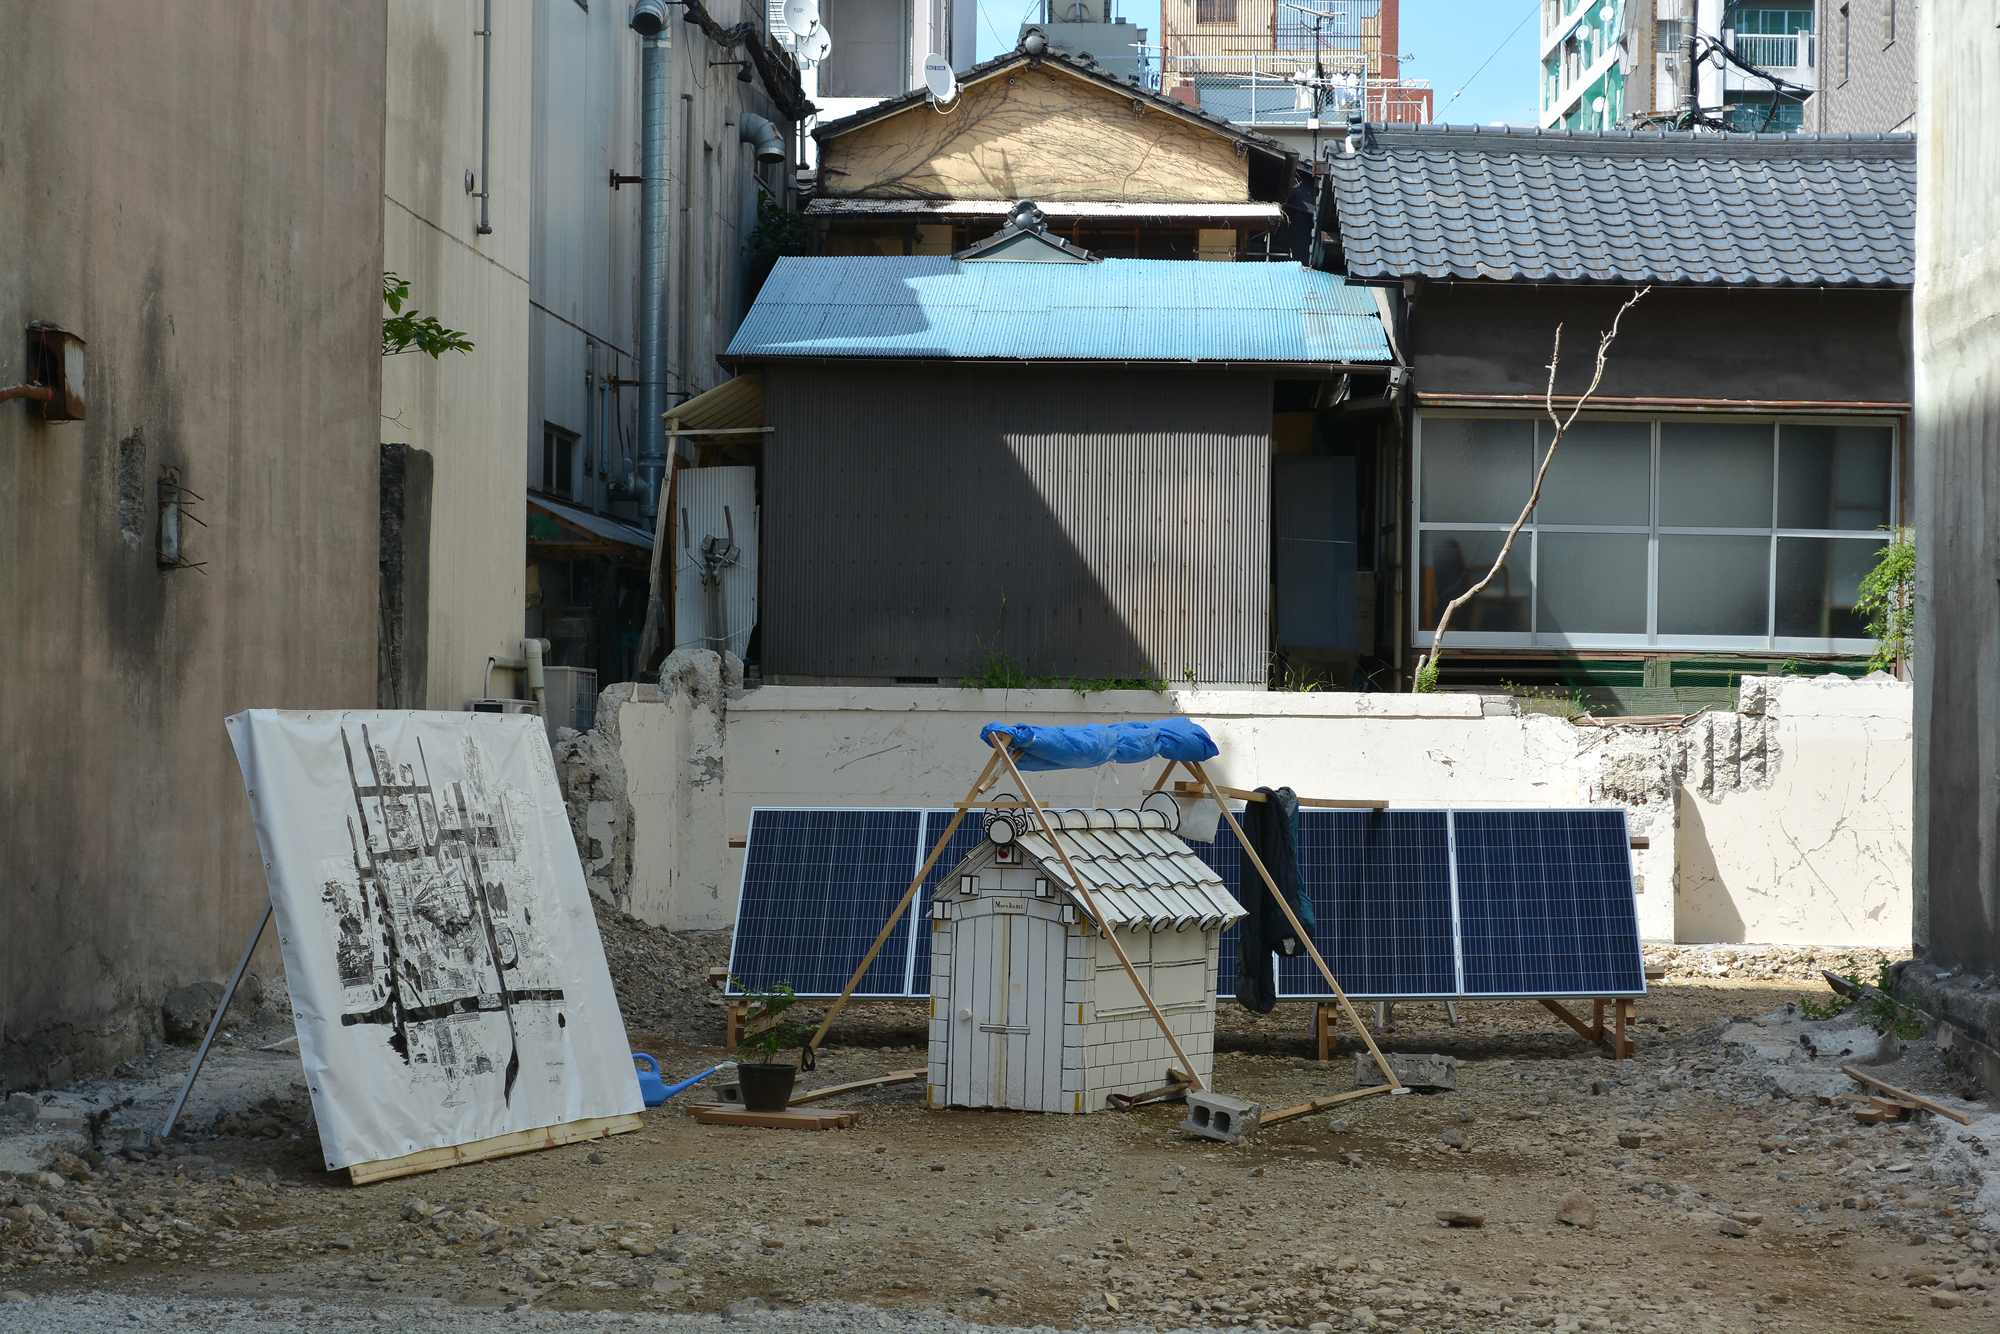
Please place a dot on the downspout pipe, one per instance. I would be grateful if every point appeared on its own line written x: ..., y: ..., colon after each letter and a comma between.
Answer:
x: 649, y: 20
x: 486, y: 126
x: 755, y: 129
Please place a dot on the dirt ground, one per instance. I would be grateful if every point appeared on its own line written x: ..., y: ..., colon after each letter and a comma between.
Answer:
x: 1326, y: 1222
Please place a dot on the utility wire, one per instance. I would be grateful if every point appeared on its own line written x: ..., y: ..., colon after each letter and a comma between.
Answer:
x: 1533, y: 9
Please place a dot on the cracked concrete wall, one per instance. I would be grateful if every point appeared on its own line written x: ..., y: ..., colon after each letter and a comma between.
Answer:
x: 1780, y: 823
x: 1796, y: 815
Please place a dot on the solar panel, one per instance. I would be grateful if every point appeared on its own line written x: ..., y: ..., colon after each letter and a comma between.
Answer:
x: 1381, y: 887
x: 817, y: 886
x: 1545, y: 903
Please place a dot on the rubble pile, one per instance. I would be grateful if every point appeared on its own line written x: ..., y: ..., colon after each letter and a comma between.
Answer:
x: 662, y: 976
x: 1768, y: 963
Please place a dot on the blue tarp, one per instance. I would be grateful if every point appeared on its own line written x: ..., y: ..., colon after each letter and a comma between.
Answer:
x: 1086, y: 747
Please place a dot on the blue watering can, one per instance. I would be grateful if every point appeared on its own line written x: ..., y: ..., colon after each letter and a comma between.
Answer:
x: 655, y: 1090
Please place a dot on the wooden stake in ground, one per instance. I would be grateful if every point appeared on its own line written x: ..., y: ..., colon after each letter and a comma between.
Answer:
x: 1427, y: 666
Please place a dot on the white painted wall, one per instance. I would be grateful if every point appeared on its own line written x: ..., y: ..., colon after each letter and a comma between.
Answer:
x: 466, y: 409
x: 1794, y: 817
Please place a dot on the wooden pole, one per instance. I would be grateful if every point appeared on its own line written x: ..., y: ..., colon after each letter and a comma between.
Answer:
x: 1305, y: 939
x: 1165, y: 774
x: 834, y: 1011
x: 1318, y: 803
x: 1083, y: 892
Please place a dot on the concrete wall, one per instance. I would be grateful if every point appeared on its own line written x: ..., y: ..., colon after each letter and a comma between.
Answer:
x: 1957, y: 438
x: 1788, y: 821
x: 465, y: 410
x: 198, y: 193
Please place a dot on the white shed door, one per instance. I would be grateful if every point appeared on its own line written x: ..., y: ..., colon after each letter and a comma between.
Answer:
x: 1008, y: 1050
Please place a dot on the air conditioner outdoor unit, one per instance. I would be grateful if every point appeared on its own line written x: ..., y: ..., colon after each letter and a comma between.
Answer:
x: 500, y: 706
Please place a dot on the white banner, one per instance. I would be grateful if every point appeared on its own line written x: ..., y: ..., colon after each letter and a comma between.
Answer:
x: 445, y: 969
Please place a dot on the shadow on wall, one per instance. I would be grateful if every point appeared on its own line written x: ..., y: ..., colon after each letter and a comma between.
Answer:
x: 1704, y: 909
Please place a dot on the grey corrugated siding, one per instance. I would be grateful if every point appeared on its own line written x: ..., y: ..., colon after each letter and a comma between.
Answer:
x: 1110, y: 522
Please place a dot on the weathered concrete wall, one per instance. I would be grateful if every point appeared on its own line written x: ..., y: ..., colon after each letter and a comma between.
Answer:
x: 197, y: 191
x: 1957, y: 435
x: 466, y: 410
x: 1796, y: 816
x: 1788, y: 822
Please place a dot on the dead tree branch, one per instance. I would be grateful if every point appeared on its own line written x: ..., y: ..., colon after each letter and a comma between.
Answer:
x: 1427, y: 666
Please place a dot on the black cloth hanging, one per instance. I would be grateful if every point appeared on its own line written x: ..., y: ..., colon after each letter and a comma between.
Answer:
x: 1271, y: 827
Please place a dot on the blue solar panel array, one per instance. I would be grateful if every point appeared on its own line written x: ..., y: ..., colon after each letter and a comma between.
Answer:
x: 1542, y: 904
x: 1410, y: 903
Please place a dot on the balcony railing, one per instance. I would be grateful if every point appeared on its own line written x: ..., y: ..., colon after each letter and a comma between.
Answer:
x: 1260, y: 91
x: 1770, y: 51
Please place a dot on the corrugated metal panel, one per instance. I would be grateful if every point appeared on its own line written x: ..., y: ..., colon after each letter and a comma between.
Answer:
x: 1116, y: 309
x: 1099, y: 523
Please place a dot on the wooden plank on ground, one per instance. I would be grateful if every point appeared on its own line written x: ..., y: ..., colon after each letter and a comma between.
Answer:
x: 500, y: 1146
x: 729, y: 1114
x: 835, y: 1090
x: 1906, y: 1096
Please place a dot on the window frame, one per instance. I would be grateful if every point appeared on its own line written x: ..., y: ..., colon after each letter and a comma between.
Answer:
x: 1214, y: 7
x: 1652, y: 640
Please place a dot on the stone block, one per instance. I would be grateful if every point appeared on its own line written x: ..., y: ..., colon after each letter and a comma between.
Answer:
x: 1220, y: 1117
x: 1416, y: 1070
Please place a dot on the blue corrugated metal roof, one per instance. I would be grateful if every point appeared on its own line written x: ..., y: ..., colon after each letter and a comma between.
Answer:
x: 1629, y: 206
x: 1113, y: 310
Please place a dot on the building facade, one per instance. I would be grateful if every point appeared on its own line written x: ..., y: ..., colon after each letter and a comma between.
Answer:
x: 1611, y: 64
x: 1869, y: 79
x: 1958, y: 531
x: 211, y: 230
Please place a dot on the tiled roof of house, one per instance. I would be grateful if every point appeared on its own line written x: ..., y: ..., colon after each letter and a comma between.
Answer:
x: 1139, y: 874
x: 1466, y: 202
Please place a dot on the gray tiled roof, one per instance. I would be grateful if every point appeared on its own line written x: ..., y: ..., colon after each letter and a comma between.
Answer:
x: 1629, y: 206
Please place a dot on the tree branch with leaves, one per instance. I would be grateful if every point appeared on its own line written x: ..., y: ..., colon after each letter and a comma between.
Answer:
x: 410, y: 330
x: 1427, y: 666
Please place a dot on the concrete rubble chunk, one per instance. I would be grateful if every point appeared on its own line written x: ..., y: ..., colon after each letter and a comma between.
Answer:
x: 187, y: 1010
x: 18, y: 1112
x: 1220, y: 1117
x: 1577, y: 1210
x: 1415, y: 1070
x: 1460, y: 1218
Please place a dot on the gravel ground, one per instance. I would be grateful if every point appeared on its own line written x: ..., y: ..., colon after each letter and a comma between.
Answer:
x: 1723, y: 1193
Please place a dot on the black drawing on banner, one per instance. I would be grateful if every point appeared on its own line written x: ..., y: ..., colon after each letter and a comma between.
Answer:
x: 434, y: 928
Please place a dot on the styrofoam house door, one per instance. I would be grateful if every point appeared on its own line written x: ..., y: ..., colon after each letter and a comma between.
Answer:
x: 1007, y: 993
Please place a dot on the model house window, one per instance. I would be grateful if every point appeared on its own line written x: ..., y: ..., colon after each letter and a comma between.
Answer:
x: 1675, y: 532
x: 558, y: 461
x: 1215, y: 11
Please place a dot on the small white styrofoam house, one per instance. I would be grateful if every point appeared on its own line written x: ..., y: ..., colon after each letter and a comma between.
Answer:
x: 1030, y: 1008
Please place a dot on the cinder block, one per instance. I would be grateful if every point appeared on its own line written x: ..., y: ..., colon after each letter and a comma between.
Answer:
x: 1220, y: 1117
x: 1415, y: 1070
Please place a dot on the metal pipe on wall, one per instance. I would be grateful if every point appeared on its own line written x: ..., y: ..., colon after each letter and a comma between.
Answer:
x: 486, y: 125
x: 656, y: 77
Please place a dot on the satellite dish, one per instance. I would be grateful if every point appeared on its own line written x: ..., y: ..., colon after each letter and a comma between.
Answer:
x: 939, y: 78
x: 801, y: 16
x: 814, y: 45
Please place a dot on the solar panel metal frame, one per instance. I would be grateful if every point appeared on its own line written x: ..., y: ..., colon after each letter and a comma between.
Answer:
x: 1292, y: 971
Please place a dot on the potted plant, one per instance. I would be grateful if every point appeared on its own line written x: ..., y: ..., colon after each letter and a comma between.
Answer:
x: 767, y: 1081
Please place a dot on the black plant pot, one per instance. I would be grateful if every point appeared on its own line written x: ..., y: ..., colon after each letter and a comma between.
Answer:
x: 766, y: 1088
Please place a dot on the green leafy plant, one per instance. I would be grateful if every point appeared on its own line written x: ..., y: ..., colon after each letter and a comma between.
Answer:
x: 779, y: 232
x: 763, y: 1046
x: 1425, y: 682
x: 1547, y: 699
x: 407, y: 330
x: 1878, y: 1011
x: 1889, y: 600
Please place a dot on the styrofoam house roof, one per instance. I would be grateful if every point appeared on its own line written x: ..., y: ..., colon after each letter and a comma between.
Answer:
x: 1140, y: 875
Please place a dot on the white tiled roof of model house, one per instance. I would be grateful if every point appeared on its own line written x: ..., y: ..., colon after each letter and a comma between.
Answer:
x: 1138, y: 873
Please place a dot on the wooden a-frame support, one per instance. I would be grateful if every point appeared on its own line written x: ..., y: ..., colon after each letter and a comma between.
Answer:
x: 980, y: 784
